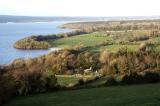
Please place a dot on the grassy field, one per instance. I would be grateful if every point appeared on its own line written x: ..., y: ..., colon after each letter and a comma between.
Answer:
x: 89, y: 40
x: 136, y: 95
x: 64, y: 80
x: 85, y: 39
x: 97, y: 38
x: 114, y: 48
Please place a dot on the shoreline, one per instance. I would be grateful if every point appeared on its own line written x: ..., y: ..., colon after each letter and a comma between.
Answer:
x: 75, y: 23
x: 24, y: 53
x: 40, y: 41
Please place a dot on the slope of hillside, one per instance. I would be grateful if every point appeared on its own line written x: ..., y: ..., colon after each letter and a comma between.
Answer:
x: 137, y: 95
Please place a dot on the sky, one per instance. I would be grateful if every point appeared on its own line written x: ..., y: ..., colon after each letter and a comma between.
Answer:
x: 80, y: 7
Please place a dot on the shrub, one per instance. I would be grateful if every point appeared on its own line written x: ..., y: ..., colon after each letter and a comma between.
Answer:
x: 33, y: 81
x: 51, y: 82
x: 16, y: 79
x: 18, y: 63
x: 142, y: 46
x: 139, y: 38
x: 104, y: 56
x: 144, y: 77
x: 81, y: 82
x: 7, y: 87
x: 111, y: 81
x: 151, y: 77
x: 132, y: 78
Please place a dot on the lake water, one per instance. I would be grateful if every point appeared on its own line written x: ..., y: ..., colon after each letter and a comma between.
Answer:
x: 11, y: 32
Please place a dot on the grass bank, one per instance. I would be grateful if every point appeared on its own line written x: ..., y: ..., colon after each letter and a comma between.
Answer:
x: 84, y: 39
x: 136, y: 95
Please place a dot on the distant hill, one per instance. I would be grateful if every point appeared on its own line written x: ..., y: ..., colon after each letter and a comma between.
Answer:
x: 10, y: 18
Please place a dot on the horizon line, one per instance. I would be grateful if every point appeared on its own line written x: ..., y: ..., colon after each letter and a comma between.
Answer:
x: 80, y: 16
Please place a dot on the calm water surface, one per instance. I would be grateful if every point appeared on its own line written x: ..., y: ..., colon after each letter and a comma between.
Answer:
x: 11, y: 32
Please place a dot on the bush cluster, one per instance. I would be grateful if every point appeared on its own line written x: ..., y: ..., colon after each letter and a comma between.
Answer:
x: 35, y: 75
x: 31, y: 43
x: 140, y: 78
x: 106, y: 63
x: 18, y: 80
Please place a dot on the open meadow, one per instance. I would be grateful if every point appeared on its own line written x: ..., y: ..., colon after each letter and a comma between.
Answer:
x: 135, y: 95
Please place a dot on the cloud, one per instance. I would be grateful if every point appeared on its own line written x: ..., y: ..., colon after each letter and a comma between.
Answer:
x: 80, y: 7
